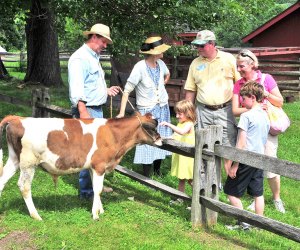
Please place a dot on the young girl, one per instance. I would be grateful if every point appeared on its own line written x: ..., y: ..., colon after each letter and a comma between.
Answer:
x: 182, y: 166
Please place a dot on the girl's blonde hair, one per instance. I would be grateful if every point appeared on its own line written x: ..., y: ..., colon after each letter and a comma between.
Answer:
x: 186, y: 107
x: 246, y: 55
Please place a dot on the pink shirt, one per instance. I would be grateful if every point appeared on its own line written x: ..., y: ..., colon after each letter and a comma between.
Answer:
x: 269, y: 83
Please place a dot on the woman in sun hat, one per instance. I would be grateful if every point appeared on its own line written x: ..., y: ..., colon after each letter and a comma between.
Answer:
x: 148, y: 78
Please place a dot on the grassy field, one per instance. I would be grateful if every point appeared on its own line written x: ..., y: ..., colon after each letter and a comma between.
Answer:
x: 136, y: 217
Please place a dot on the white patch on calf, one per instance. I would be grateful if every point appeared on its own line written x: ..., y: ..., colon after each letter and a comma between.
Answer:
x: 37, y: 130
x: 92, y: 128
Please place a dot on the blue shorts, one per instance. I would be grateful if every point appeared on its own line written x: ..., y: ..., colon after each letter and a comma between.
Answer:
x: 247, y: 178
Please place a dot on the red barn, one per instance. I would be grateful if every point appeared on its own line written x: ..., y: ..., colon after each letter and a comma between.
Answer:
x: 280, y: 31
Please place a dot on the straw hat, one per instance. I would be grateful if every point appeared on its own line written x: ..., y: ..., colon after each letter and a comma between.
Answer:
x: 99, y: 29
x: 154, y: 46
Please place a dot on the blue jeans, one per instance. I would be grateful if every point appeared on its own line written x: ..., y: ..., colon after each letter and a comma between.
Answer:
x: 85, y: 181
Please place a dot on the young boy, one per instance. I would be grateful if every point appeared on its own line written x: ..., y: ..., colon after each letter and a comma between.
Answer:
x: 253, y: 130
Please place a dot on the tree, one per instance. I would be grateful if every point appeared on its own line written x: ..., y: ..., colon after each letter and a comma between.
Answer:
x: 42, y: 46
x: 132, y: 20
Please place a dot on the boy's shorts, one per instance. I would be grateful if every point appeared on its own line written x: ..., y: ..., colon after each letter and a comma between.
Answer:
x: 247, y: 178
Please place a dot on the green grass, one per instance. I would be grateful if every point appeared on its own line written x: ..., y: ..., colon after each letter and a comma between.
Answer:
x: 148, y: 222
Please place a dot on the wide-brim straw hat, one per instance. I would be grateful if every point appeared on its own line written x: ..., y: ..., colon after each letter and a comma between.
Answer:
x: 99, y: 29
x: 154, y: 46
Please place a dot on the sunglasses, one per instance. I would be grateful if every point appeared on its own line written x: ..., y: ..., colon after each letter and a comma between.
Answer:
x: 246, y: 55
x: 200, y: 45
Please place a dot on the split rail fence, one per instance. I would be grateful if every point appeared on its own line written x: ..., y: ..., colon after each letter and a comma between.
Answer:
x: 207, y: 171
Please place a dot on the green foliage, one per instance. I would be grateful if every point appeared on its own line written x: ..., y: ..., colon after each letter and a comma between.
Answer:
x: 71, y: 35
x: 185, y: 50
x: 11, y: 34
x: 131, y: 21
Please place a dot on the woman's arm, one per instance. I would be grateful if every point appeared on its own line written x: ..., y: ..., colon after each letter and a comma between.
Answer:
x: 167, y: 78
x: 236, y: 109
x: 274, y: 97
x: 123, y: 105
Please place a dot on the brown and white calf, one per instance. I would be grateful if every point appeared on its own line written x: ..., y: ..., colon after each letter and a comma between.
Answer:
x: 65, y: 146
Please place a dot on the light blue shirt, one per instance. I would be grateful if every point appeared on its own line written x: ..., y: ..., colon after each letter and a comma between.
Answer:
x: 86, y: 78
x: 257, y: 125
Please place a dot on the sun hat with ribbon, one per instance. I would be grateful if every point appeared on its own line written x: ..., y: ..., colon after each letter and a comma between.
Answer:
x: 154, y: 45
x: 203, y: 37
x: 99, y: 29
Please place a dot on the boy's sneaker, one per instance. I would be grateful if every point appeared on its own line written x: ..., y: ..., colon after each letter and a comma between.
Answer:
x: 239, y: 225
x: 245, y: 226
x: 279, y: 205
x: 251, y: 207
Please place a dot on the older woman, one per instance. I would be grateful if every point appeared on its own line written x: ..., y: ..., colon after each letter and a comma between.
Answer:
x: 247, y: 65
x: 148, y: 77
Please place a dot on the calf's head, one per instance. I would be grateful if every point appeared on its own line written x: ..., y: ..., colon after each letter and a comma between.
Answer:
x: 149, y: 125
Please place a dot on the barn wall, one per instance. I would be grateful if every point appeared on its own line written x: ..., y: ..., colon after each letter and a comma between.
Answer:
x: 284, y: 33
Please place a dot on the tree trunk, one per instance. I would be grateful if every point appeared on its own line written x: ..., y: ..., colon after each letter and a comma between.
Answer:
x: 42, y: 47
x: 3, y: 71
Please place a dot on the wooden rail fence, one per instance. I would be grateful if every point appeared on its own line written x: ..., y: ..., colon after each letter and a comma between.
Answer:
x: 207, y: 171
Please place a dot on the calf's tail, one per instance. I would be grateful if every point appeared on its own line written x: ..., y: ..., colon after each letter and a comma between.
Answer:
x: 3, y: 124
x: 1, y: 150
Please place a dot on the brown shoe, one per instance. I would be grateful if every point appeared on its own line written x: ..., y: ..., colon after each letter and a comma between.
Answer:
x: 107, y: 189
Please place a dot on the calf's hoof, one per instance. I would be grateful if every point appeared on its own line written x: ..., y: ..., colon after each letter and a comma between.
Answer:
x: 36, y: 217
x: 107, y: 189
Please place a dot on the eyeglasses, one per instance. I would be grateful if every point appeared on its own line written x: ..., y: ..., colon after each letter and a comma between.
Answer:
x: 200, y: 45
x: 246, y: 55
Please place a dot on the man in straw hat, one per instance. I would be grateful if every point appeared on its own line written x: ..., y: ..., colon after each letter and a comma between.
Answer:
x: 210, y: 81
x: 87, y: 86
x: 148, y: 77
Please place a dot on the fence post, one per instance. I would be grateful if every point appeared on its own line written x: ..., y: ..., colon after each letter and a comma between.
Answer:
x: 207, y: 175
x: 45, y: 100
x: 36, y: 96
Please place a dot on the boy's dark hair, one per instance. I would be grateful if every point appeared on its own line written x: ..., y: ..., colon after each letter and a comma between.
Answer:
x: 253, y: 88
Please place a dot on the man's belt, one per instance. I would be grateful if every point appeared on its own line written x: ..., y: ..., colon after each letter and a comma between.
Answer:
x: 216, y: 107
x: 94, y: 106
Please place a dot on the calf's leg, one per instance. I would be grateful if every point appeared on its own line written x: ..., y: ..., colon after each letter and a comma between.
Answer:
x: 24, y: 183
x: 97, y: 187
x: 10, y: 168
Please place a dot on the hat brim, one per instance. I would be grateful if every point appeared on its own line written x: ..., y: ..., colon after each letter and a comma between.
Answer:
x: 86, y: 33
x: 157, y: 50
x: 199, y: 42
